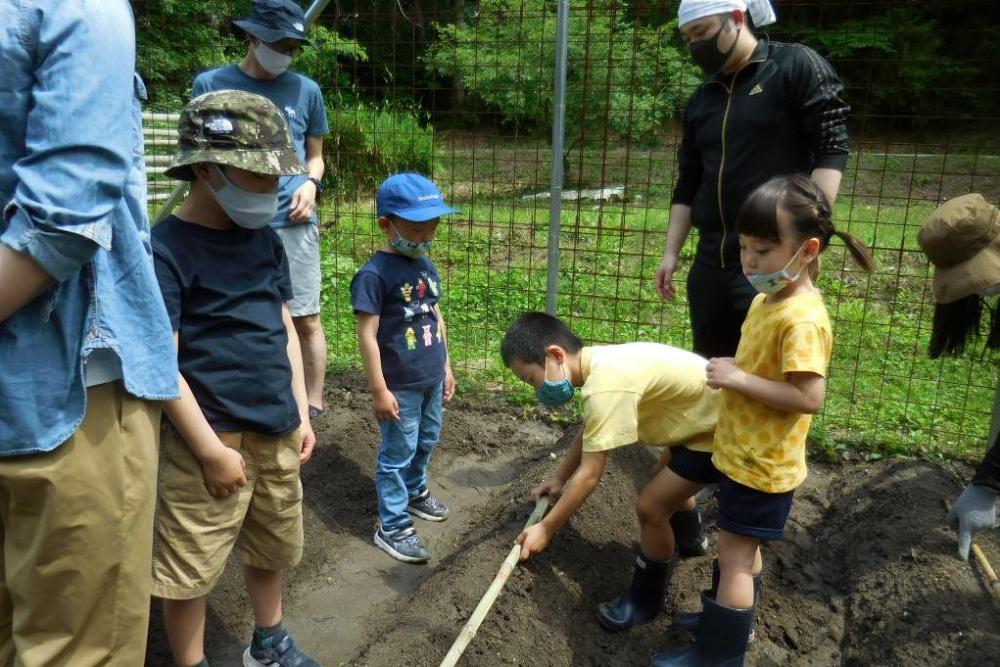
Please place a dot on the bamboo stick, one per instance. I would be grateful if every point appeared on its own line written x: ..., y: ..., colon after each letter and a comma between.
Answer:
x: 483, y: 608
x: 992, y: 581
x: 987, y: 569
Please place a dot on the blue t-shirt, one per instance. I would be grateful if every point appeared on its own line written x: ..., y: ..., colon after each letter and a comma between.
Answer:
x: 300, y: 99
x: 403, y: 292
x: 224, y: 291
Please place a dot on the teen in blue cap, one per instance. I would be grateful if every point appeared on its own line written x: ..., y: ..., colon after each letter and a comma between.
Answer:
x: 401, y: 333
x: 275, y: 32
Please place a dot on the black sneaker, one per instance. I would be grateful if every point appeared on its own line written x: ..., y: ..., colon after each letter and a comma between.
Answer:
x: 402, y: 544
x: 276, y: 651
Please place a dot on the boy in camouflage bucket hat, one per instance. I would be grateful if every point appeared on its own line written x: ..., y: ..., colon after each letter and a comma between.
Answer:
x: 234, y: 128
x: 235, y: 440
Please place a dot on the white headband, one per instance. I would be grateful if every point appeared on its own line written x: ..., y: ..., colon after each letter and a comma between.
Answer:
x: 691, y: 10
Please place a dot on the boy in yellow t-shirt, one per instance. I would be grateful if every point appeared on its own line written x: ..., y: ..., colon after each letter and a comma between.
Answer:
x: 634, y: 392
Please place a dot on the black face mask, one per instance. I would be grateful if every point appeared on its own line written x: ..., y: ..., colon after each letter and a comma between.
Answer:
x: 706, y: 53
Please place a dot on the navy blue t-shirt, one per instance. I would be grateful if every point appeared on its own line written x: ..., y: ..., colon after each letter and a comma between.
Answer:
x: 224, y: 291
x: 298, y: 97
x: 403, y: 292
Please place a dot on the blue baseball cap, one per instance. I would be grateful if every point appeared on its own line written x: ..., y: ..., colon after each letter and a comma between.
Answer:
x: 411, y: 197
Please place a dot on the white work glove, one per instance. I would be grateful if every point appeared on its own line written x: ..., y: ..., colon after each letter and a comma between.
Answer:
x: 974, y: 510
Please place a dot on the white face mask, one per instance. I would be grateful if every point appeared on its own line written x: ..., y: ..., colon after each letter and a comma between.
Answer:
x: 250, y: 210
x: 273, y: 62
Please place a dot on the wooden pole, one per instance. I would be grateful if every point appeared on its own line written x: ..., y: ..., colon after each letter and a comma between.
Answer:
x: 483, y: 608
x: 992, y: 581
x: 987, y: 570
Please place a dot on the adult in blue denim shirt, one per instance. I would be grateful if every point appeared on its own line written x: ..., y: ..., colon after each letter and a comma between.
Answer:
x: 85, y: 343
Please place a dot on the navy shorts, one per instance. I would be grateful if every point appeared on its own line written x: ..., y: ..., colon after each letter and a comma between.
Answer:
x: 746, y: 511
x: 693, y: 466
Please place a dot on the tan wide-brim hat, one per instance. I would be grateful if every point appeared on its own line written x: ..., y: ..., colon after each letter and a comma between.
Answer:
x: 962, y: 240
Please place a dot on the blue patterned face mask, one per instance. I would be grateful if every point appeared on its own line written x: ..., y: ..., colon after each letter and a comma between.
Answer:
x: 411, y: 249
x: 772, y: 283
x: 555, y: 392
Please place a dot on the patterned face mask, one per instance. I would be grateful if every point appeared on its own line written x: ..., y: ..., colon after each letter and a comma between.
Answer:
x: 772, y: 283
x: 411, y: 249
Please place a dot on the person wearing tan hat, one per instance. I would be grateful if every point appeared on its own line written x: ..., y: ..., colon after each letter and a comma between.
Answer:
x: 962, y: 241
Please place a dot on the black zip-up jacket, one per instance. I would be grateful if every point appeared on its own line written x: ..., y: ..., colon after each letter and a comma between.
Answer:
x: 988, y: 474
x: 781, y: 113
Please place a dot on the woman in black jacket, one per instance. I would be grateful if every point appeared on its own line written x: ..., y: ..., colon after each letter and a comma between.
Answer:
x: 767, y: 109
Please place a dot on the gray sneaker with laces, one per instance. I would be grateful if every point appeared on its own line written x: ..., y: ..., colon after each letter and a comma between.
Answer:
x: 402, y: 544
x: 427, y: 507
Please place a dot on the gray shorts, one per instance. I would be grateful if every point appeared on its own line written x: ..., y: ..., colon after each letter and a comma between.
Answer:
x: 302, y: 249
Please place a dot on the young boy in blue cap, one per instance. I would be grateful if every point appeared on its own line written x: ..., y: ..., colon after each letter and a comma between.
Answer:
x: 401, y: 333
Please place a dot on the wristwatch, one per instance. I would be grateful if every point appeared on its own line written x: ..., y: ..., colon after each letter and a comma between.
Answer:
x: 319, y: 186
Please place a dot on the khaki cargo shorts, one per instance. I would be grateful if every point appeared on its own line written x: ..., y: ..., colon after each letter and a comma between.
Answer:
x: 195, y: 532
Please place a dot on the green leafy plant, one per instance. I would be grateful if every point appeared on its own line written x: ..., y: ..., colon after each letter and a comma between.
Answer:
x: 623, y: 76
x: 367, y: 143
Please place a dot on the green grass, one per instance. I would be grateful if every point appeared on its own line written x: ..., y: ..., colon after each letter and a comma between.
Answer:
x: 885, y: 396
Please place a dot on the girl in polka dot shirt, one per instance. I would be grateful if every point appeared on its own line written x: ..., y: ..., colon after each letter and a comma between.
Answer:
x: 770, y: 391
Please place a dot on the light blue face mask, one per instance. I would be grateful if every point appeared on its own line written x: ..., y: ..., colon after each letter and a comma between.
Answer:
x: 411, y: 249
x: 250, y: 210
x: 772, y: 283
x: 555, y: 392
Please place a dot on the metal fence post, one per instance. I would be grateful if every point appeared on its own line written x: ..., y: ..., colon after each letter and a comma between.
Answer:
x: 558, y: 132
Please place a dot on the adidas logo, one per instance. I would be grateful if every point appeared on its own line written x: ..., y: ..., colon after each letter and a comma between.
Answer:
x: 756, y: 89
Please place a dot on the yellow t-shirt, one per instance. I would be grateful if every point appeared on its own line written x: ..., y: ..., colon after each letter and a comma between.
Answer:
x: 646, y: 392
x: 756, y: 445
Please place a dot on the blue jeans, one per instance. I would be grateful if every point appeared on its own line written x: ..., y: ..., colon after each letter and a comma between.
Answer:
x: 403, y: 456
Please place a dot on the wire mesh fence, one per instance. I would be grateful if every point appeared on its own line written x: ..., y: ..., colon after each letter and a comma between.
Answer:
x: 463, y: 91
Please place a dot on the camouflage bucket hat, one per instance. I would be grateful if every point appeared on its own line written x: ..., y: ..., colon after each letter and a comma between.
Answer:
x: 237, y: 129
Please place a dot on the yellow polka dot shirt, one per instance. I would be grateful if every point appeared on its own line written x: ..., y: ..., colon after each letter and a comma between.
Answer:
x: 756, y: 445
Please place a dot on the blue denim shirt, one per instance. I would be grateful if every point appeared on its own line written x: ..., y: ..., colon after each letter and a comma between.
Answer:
x: 73, y: 198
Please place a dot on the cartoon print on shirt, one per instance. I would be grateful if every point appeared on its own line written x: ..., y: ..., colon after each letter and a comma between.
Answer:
x: 411, y: 339
x: 421, y: 289
x: 428, y: 338
x: 407, y: 290
x: 433, y: 285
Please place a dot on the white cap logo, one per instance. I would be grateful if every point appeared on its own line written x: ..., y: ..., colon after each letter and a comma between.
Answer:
x: 299, y: 27
x: 219, y: 126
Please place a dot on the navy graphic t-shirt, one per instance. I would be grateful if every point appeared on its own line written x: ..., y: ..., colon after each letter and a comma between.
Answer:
x: 402, y: 292
x: 224, y: 291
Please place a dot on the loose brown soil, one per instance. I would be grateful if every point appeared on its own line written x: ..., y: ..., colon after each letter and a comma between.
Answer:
x: 867, y: 574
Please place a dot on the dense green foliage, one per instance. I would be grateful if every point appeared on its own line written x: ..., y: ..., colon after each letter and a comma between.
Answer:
x: 625, y: 77
x: 492, y: 60
x: 905, y: 63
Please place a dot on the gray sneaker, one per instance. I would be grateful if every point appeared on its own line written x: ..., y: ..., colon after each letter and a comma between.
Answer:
x: 427, y: 507
x: 402, y: 544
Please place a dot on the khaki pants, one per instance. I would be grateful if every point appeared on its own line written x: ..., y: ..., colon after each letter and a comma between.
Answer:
x: 77, y: 535
x: 195, y: 533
